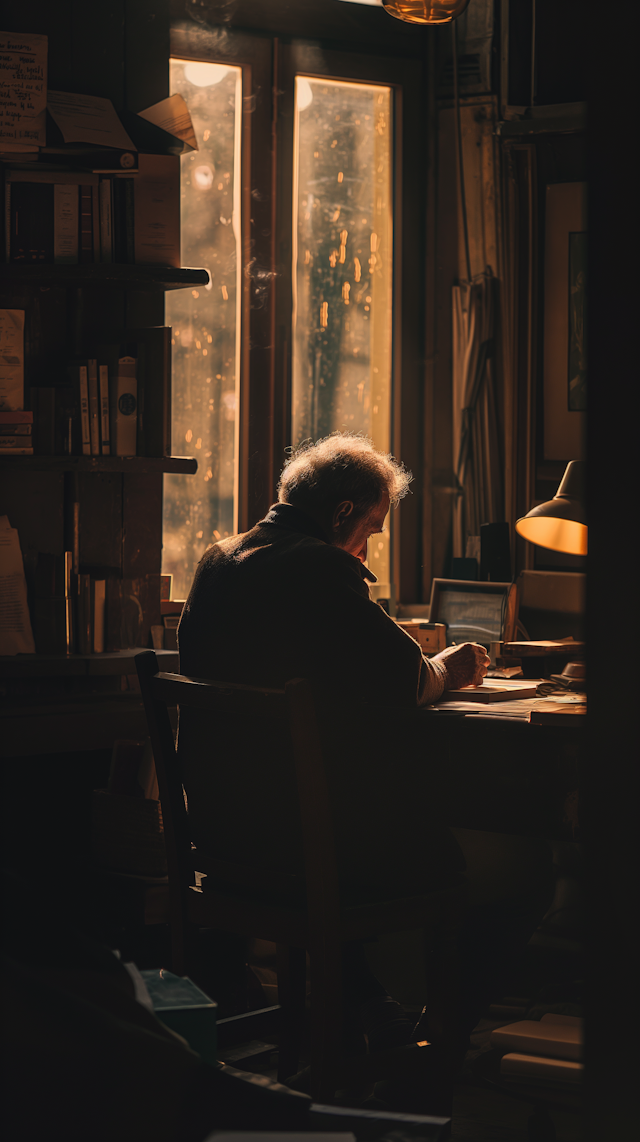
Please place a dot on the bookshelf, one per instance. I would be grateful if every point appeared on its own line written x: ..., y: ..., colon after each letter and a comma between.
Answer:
x: 131, y: 465
x: 111, y: 275
x: 107, y: 510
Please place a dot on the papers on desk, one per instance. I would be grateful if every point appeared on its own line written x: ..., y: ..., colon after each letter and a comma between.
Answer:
x: 566, y: 710
x: 492, y: 690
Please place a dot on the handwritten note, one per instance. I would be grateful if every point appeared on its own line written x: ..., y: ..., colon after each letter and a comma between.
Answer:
x: 23, y: 91
x: 12, y: 359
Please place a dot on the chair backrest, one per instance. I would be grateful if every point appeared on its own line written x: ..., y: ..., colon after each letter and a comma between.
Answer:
x: 236, y: 705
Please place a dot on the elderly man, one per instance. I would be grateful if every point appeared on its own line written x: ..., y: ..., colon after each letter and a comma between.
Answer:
x: 290, y: 599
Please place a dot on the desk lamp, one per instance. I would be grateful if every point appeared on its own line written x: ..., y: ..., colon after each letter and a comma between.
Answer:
x: 561, y: 523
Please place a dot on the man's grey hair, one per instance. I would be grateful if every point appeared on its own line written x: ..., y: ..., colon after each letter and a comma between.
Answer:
x: 343, y: 466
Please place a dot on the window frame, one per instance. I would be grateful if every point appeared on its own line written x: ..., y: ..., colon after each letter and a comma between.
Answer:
x: 269, y: 67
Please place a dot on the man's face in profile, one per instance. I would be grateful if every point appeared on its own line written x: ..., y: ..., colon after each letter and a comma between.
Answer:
x: 354, y: 540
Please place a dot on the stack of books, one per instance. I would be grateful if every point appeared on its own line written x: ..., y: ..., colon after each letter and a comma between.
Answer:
x: 16, y: 433
x: 70, y: 217
x: 95, y: 414
x: 548, y: 1051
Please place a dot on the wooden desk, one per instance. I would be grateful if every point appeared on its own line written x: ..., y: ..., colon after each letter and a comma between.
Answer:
x: 486, y: 769
x: 505, y: 774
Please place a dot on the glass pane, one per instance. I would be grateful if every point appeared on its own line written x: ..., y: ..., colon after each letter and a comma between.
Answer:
x: 343, y: 268
x: 205, y: 323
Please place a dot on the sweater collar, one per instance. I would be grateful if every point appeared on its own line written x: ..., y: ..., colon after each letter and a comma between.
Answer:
x: 285, y: 515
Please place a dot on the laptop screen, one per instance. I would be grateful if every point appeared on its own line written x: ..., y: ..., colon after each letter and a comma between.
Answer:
x: 471, y: 616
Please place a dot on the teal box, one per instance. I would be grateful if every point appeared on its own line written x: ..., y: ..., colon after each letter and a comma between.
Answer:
x: 183, y: 1007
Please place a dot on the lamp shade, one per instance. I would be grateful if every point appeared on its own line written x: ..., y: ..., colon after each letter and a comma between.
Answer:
x: 425, y: 11
x: 561, y: 523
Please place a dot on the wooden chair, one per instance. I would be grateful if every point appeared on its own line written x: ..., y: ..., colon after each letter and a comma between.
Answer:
x: 321, y: 925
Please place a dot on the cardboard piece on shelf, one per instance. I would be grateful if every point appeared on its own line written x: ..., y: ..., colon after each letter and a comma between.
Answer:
x: 172, y: 115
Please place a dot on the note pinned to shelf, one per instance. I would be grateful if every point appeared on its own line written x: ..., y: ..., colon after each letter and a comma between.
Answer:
x: 23, y: 91
x: 16, y: 635
x: 172, y: 115
x: 88, y: 119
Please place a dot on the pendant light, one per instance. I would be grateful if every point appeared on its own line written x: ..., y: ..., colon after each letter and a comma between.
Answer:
x: 425, y: 11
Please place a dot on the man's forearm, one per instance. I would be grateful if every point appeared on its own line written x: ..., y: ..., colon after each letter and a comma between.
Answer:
x: 433, y: 675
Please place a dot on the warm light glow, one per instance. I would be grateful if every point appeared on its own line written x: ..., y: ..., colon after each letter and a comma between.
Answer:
x: 204, y: 74
x: 557, y: 534
x: 304, y: 94
x: 425, y: 11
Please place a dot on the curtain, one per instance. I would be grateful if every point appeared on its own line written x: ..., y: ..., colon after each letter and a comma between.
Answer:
x: 475, y: 415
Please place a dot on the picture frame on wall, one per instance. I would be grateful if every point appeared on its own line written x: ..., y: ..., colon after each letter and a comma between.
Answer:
x: 565, y: 350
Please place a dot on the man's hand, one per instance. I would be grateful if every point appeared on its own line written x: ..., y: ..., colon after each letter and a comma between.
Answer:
x: 466, y: 665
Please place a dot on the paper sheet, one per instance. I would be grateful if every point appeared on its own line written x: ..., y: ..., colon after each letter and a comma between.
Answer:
x: 172, y: 115
x: 88, y: 119
x: 16, y: 636
x: 12, y: 359
x: 23, y: 91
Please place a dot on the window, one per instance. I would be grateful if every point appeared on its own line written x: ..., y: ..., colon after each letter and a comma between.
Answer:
x: 205, y: 324
x: 343, y: 267
x: 310, y: 336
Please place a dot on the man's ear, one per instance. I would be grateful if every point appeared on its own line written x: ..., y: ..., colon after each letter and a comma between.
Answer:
x: 341, y: 513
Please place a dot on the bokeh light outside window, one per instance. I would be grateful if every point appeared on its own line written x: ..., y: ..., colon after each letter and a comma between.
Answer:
x: 343, y: 268
x: 205, y: 323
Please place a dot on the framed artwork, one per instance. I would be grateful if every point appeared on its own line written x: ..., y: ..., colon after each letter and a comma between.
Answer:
x: 565, y: 349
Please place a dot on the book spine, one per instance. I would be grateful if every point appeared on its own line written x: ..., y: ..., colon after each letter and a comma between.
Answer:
x: 85, y: 420
x: 85, y: 639
x: 95, y: 219
x: 157, y: 210
x: 7, y: 221
x: 129, y: 221
x: 94, y: 406
x: 15, y: 439
x: 105, y: 426
x: 85, y: 252
x: 16, y: 416
x: 65, y: 223
x: 125, y: 408
x: 99, y: 601
x: 43, y: 411
x: 15, y: 451
x: 106, y: 220
x: 31, y: 223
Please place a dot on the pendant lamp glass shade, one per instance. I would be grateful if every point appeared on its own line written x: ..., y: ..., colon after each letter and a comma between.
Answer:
x: 561, y: 523
x: 425, y: 11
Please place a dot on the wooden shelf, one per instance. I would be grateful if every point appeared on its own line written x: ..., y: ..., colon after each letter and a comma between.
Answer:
x: 137, y: 465
x: 102, y: 274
